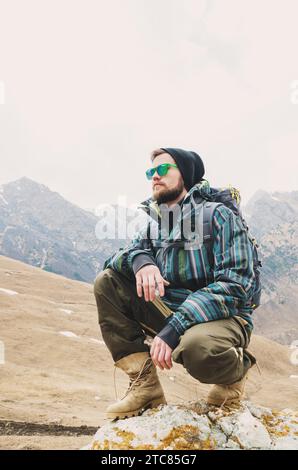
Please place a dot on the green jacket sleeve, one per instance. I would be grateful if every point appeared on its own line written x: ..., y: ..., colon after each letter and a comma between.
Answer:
x: 123, y: 260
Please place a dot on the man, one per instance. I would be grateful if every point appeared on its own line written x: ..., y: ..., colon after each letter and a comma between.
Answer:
x: 202, y: 316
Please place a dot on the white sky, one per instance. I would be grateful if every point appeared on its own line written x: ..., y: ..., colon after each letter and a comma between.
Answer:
x: 92, y: 86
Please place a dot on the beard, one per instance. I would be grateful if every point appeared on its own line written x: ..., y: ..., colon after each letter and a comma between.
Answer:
x: 168, y: 195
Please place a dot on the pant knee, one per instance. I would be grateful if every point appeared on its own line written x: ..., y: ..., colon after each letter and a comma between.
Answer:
x: 102, y: 281
x: 201, y: 358
x: 102, y: 290
x: 197, y: 359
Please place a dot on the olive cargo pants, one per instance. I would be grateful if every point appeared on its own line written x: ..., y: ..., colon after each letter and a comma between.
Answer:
x: 212, y: 352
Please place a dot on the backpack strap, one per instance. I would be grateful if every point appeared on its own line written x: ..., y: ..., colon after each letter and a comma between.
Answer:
x: 208, y: 215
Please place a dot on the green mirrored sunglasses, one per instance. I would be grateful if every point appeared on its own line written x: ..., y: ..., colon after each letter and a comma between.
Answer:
x: 161, y: 169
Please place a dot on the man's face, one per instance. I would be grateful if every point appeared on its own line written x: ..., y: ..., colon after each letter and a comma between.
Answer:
x: 168, y: 188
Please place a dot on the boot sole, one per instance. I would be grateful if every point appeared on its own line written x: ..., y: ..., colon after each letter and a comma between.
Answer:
x: 130, y: 414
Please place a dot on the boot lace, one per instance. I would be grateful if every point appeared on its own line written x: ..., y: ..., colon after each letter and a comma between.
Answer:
x: 134, y: 380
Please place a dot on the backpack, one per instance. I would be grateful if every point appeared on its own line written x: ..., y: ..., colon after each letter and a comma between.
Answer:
x: 230, y: 197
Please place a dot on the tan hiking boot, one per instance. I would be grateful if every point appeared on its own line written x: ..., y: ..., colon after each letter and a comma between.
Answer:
x: 221, y: 395
x: 225, y: 395
x: 144, y: 390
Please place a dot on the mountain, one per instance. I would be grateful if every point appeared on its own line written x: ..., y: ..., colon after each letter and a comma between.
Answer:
x: 57, y: 374
x: 38, y: 226
x: 273, y: 220
x: 267, y: 211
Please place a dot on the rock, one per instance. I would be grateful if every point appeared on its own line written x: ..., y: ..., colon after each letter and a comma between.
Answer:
x: 246, y: 430
x: 232, y: 445
x: 285, y: 443
x: 258, y: 411
x: 198, y: 426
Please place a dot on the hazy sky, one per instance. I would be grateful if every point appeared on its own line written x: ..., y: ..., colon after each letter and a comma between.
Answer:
x: 92, y: 86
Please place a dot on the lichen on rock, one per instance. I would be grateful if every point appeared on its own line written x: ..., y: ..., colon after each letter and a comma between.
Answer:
x: 197, y: 426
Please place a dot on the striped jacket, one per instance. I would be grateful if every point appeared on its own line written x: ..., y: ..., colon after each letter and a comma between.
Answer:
x: 197, y: 293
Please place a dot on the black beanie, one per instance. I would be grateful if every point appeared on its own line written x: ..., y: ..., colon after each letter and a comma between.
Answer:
x: 190, y: 165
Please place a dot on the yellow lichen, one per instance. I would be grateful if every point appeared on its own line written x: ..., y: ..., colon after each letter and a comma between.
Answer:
x: 96, y: 446
x: 184, y: 437
x: 275, y: 427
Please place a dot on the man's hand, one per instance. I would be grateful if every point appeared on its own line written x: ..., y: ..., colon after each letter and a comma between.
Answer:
x: 147, y: 278
x: 161, y: 354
